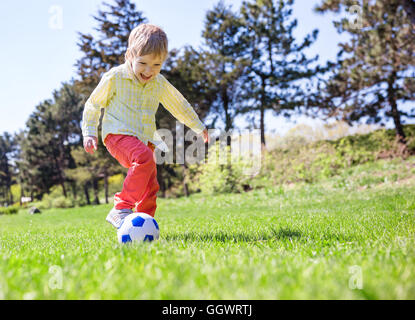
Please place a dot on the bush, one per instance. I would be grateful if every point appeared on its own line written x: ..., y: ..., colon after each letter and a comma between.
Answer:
x: 56, y: 199
x: 8, y: 210
x: 222, y: 173
x: 62, y: 202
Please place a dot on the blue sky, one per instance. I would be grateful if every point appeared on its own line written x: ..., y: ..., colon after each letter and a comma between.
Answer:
x: 37, y: 57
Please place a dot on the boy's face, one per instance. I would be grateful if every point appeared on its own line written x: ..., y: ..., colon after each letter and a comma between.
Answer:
x: 147, y: 67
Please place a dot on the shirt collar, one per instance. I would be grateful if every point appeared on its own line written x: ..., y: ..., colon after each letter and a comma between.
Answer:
x: 128, y: 73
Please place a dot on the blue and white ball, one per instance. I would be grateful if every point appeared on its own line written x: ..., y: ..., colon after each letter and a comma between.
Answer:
x: 138, y: 227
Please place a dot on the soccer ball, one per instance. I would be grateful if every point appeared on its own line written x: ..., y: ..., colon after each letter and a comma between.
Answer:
x: 138, y: 227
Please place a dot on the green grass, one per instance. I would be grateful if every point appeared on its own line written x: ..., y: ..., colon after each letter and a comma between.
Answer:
x: 300, y: 242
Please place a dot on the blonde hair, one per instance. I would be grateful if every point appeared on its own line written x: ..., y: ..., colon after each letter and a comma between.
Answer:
x: 147, y: 39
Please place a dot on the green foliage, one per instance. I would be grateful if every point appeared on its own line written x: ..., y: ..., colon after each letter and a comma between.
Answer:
x: 7, y: 170
x: 223, y: 52
x: 106, y: 48
x: 222, y: 172
x: 302, y: 161
x: 276, y: 59
x: 115, y: 183
x: 53, y: 130
x: 323, y: 159
x: 56, y: 199
x: 8, y: 210
x: 373, y: 74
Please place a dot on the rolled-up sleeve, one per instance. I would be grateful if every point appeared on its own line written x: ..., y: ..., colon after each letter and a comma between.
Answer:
x: 99, y: 98
x: 179, y: 107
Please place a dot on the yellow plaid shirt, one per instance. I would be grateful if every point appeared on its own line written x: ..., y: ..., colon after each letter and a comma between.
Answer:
x: 130, y: 106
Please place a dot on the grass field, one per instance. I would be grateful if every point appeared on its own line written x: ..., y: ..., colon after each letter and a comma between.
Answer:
x: 301, y: 242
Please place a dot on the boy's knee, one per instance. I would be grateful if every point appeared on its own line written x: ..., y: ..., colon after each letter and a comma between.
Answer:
x: 142, y: 157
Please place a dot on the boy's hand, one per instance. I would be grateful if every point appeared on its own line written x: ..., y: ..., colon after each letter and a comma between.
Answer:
x: 205, y: 136
x: 90, y: 144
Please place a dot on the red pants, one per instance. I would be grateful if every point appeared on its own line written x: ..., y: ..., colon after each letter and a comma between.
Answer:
x: 140, y: 187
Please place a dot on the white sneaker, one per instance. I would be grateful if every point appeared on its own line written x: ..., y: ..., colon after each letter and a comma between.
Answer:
x: 116, y: 217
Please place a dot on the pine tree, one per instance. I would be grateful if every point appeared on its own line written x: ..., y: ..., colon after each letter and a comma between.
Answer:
x: 107, y: 48
x: 374, y: 71
x: 224, y: 63
x: 277, y: 62
x: 53, y: 130
x: 41, y: 158
x: 7, y: 170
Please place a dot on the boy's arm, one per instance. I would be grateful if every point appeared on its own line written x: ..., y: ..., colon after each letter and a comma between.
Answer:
x: 98, y: 99
x: 180, y: 108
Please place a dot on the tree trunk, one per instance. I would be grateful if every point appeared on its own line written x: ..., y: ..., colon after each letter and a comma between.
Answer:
x: 185, y: 187
x: 21, y: 194
x: 74, y: 192
x: 161, y: 181
x: 262, y: 113
x: 106, y: 186
x: 95, y: 187
x: 228, y: 119
x: 11, y: 195
x: 88, y: 201
x: 394, y: 110
x: 64, y: 189
x: 262, y: 125
x: 61, y: 179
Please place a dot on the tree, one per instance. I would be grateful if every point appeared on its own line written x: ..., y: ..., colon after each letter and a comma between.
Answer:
x: 41, y: 158
x: 107, y: 49
x: 374, y: 71
x: 277, y: 62
x: 53, y: 130
x: 224, y: 63
x: 7, y: 148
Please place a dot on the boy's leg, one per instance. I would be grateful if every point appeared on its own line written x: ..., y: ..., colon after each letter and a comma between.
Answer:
x: 135, y: 155
x: 148, y: 203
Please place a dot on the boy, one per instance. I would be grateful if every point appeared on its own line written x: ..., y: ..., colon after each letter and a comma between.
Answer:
x: 130, y: 95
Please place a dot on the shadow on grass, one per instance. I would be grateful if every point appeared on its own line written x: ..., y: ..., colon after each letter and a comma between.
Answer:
x: 270, y: 234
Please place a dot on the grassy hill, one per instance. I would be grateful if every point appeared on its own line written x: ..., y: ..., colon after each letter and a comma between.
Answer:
x: 295, y: 159
x: 351, y: 237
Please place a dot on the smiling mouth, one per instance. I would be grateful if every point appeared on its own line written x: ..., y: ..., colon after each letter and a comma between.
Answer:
x: 144, y: 77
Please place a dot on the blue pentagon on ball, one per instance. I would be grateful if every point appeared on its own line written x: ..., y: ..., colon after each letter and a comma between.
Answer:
x: 138, y: 221
x: 125, y: 238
